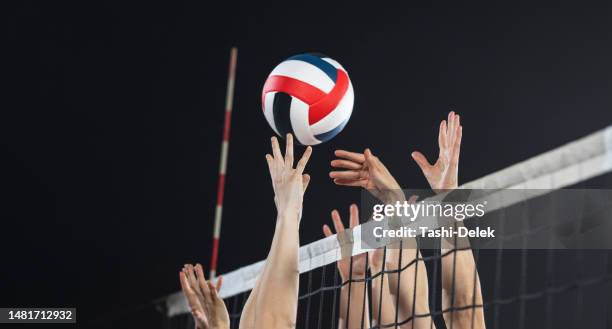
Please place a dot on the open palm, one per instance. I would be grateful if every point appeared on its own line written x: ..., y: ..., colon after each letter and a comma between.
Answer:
x: 207, y: 308
x: 443, y: 174
x: 358, y: 261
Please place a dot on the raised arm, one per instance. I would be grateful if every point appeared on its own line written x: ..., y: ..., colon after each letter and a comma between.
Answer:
x: 354, y: 312
x: 383, y: 303
x: 460, y: 281
x: 273, y: 302
x: 367, y: 171
x: 207, y: 308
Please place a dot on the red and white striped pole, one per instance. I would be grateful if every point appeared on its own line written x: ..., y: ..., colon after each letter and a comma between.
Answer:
x: 229, y: 100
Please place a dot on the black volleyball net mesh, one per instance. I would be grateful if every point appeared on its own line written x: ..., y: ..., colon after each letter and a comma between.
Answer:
x: 551, y: 267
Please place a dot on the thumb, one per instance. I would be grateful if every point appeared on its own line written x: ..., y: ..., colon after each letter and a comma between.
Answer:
x: 367, y: 154
x: 420, y: 159
x: 370, y: 159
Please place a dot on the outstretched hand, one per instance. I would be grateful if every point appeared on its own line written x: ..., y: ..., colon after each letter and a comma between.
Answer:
x: 359, y: 261
x: 367, y: 171
x: 443, y: 174
x: 207, y: 308
x: 289, y: 183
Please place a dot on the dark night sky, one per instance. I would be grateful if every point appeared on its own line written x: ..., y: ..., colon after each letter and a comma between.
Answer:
x: 113, y: 114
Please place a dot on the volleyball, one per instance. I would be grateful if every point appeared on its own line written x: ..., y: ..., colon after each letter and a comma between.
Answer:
x: 310, y: 96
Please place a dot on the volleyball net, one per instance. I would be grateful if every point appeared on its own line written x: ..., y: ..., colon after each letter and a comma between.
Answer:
x: 551, y: 268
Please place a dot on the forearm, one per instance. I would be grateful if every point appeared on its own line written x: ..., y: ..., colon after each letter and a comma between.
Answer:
x: 268, y: 308
x: 282, y: 260
x: 383, y: 303
x: 413, y: 287
x: 461, y: 285
x: 353, y: 306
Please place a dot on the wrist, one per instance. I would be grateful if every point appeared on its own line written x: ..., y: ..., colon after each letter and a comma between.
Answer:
x: 375, y: 268
x: 396, y: 196
x: 288, y: 213
x: 443, y: 189
x: 355, y: 276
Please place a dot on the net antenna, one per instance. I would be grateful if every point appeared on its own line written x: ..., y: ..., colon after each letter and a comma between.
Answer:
x: 229, y: 102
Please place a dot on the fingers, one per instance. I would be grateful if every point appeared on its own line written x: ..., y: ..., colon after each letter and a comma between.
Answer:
x: 202, y: 282
x: 354, y: 216
x: 372, y: 161
x: 442, y: 137
x: 335, y: 215
x: 327, y: 231
x: 184, y: 282
x: 270, y: 161
x: 219, y: 283
x: 352, y: 156
x: 346, y: 175
x: 456, y: 130
x: 351, y: 182
x: 289, y: 151
x: 451, y: 128
x: 457, y: 147
x: 305, y: 181
x: 276, y: 149
x: 190, y: 295
x: 413, y: 199
x: 369, y: 157
x: 454, y: 121
x: 346, y: 164
x: 193, y: 283
x: 214, y: 293
x: 337, y: 221
x: 304, y: 160
x: 420, y: 159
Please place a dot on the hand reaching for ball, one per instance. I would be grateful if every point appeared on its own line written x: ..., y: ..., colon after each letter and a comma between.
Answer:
x: 289, y: 183
x: 367, y: 171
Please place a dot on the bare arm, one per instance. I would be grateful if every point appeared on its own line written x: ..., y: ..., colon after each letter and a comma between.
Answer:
x: 367, y: 171
x: 411, y: 284
x: 354, y: 310
x: 460, y: 281
x: 273, y: 302
x: 383, y: 303
x: 464, y: 289
x: 353, y: 314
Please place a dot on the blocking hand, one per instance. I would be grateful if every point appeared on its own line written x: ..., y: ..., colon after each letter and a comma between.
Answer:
x: 443, y: 174
x: 359, y: 261
x: 207, y: 308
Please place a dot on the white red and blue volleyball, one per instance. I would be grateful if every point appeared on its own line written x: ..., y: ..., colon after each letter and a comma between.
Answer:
x: 310, y: 96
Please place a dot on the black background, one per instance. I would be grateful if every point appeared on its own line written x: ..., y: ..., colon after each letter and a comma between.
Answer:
x: 113, y: 113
